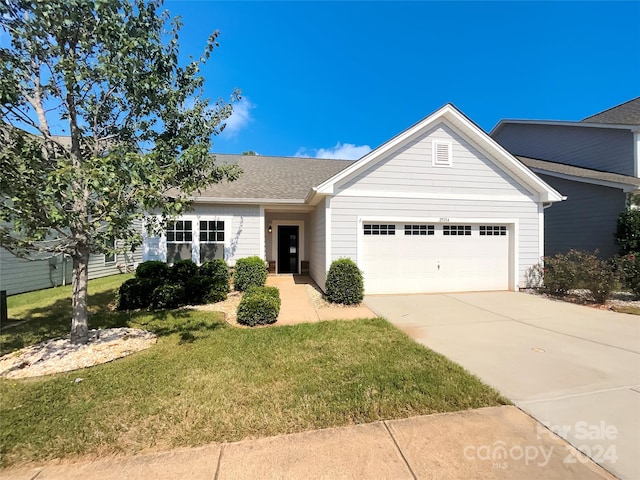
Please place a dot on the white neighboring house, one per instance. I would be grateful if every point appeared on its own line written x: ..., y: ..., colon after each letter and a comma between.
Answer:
x: 439, y: 207
x: 18, y: 275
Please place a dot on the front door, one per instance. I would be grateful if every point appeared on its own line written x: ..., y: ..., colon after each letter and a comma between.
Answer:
x: 288, y: 249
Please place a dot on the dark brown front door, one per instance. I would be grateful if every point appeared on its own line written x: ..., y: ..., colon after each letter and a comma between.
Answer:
x: 288, y: 249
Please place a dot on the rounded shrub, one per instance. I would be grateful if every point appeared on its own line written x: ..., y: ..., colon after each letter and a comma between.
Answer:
x: 153, y: 269
x: 167, y: 296
x: 217, y: 272
x: 182, y: 270
x: 136, y: 293
x: 250, y: 271
x: 259, y: 306
x: 197, y: 290
x: 344, y: 282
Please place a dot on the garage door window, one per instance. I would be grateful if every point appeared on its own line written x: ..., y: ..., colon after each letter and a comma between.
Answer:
x: 456, y: 230
x: 423, y: 230
x: 493, y: 230
x: 379, y: 229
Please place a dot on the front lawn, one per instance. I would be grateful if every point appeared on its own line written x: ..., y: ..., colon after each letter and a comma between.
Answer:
x: 206, y: 381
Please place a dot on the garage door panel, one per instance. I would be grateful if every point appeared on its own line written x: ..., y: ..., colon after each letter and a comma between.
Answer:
x: 436, y: 263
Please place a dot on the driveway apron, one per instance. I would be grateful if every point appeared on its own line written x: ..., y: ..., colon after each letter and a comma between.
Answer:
x: 574, y: 368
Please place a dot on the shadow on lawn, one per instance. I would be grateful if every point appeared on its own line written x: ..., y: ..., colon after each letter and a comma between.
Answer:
x: 54, y: 320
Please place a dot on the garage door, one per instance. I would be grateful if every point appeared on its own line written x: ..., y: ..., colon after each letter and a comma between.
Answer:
x: 434, y: 257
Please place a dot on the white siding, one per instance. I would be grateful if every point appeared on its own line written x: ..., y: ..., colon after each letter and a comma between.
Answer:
x: 345, y: 211
x: 317, y: 251
x: 410, y: 169
x: 244, y: 232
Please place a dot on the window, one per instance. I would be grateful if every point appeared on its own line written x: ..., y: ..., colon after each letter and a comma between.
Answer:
x: 419, y: 230
x: 110, y: 257
x: 442, y: 154
x: 493, y: 230
x: 179, y: 240
x: 456, y: 230
x: 211, y: 240
x: 379, y: 229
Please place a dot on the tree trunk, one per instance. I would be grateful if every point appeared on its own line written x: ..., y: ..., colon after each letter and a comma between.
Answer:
x: 79, y: 311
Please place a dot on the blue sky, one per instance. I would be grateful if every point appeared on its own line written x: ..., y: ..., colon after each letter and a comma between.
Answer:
x: 319, y: 76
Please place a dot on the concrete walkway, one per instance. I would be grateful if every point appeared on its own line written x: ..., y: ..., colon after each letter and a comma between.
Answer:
x: 488, y: 443
x: 297, y: 305
x: 573, y: 368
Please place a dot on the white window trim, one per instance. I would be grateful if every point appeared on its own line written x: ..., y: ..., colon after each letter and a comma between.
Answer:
x: 115, y: 256
x: 434, y: 156
x: 195, y: 243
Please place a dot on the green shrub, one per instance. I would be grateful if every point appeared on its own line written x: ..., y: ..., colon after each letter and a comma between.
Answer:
x: 217, y: 272
x: 578, y: 269
x: 182, y: 270
x: 136, y: 293
x: 344, y: 282
x: 599, y: 277
x: 628, y: 231
x: 248, y: 272
x: 197, y: 290
x: 259, y: 306
x: 168, y: 296
x: 629, y: 269
x: 153, y: 269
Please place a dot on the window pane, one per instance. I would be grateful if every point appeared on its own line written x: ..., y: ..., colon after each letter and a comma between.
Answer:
x: 188, y: 236
x: 203, y: 236
x: 220, y: 236
x: 187, y: 225
x: 179, y: 236
x: 220, y: 225
x: 203, y: 225
x: 179, y: 225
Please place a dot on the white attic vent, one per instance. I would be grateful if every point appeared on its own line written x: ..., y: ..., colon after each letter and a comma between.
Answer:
x: 442, y: 154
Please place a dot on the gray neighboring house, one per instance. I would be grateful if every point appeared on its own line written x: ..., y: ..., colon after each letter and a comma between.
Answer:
x: 439, y: 207
x: 595, y: 163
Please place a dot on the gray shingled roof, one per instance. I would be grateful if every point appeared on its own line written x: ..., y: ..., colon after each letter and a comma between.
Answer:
x: 579, y: 172
x: 274, y: 178
x: 627, y: 113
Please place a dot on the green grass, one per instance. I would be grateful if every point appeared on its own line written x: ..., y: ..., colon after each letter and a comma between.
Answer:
x: 206, y: 381
x: 627, y: 309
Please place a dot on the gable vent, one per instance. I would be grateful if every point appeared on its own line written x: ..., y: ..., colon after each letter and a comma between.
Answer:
x: 442, y: 154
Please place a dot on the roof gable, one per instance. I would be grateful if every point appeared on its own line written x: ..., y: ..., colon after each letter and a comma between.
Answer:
x: 476, y: 136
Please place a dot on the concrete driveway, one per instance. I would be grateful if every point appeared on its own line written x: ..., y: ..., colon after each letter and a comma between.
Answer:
x: 575, y: 369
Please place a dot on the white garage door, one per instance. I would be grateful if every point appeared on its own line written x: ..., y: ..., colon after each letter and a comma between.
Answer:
x: 433, y: 257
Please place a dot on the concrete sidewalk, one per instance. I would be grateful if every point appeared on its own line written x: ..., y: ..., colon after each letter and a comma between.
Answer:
x: 497, y: 442
x: 297, y: 305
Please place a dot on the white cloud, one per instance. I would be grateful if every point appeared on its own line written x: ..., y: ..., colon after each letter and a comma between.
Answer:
x: 240, y: 117
x: 342, y: 151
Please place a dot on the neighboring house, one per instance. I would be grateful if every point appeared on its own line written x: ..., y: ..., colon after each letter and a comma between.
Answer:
x: 439, y: 207
x: 595, y: 163
x: 18, y: 275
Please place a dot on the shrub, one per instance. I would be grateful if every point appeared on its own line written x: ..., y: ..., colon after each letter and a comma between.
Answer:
x: 197, y: 290
x: 577, y: 269
x: 153, y: 269
x: 259, y: 306
x: 167, y: 296
x: 250, y: 271
x: 136, y: 293
x: 217, y: 272
x: 629, y: 269
x: 599, y: 277
x: 344, y: 282
x: 183, y: 270
x: 628, y: 231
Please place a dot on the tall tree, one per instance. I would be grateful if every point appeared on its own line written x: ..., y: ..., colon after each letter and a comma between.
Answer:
x: 100, y: 123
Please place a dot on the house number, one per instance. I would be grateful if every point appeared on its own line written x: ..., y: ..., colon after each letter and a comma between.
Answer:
x: 444, y: 220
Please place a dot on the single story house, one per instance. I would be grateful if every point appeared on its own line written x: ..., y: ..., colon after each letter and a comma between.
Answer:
x: 594, y: 162
x: 439, y: 207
